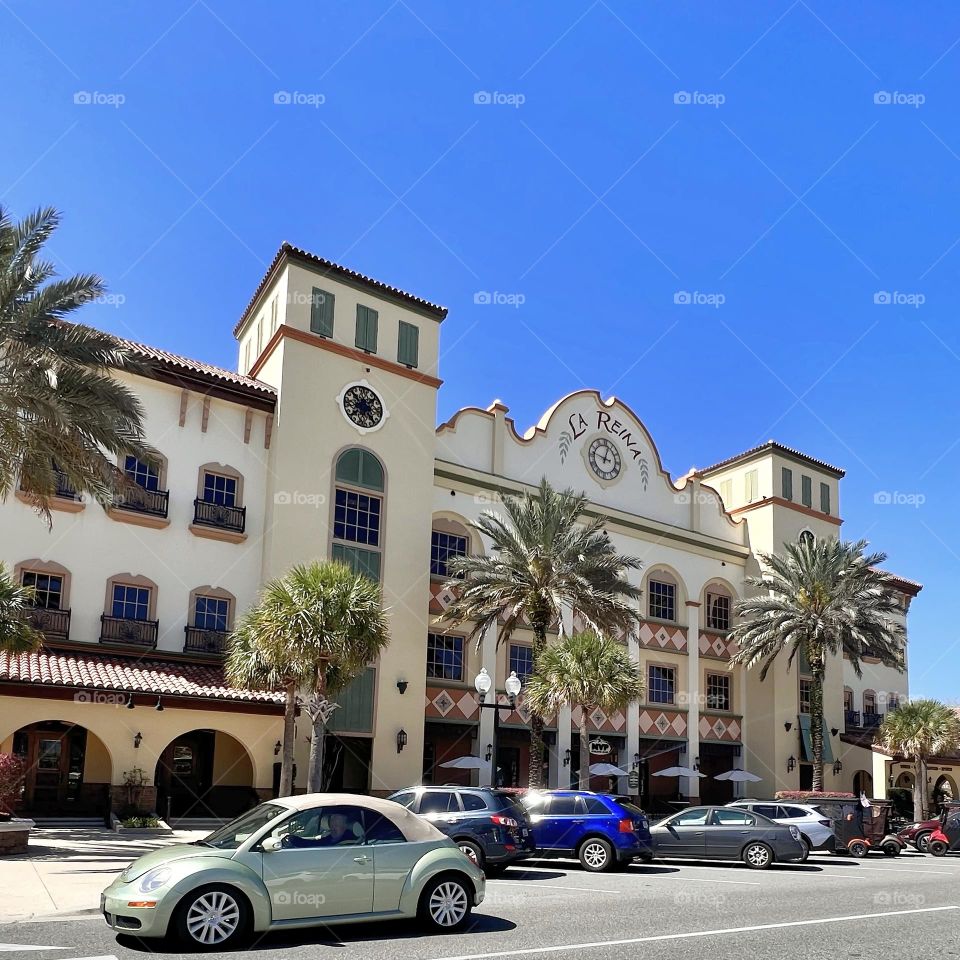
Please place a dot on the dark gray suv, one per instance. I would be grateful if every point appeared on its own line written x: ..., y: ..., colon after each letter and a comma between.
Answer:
x: 488, y: 825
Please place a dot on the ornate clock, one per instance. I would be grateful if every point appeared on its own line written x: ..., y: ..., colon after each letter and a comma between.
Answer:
x: 362, y: 406
x: 603, y: 458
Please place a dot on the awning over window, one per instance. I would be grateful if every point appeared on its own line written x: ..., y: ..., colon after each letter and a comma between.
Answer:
x: 807, y: 740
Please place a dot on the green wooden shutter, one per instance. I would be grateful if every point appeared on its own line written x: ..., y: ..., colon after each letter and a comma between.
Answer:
x: 321, y: 312
x: 356, y: 705
x: 825, y: 497
x: 408, y: 346
x: 787, y: 483
x: 367, y: 319
x: 806, y: 491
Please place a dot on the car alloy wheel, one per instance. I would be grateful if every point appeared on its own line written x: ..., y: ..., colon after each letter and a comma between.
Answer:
x: 921, y: 842
x: 595, y: 855
x: 858, y: 849
x: 757, y: 856
x: 805, y: 843
x: 213, y: 918
x: 937, y: 847
x: 472, y: 851
x: 448, y: 904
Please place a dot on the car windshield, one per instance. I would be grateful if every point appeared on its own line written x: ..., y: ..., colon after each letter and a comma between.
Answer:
x: 232, y: 834
x: 631, y: 808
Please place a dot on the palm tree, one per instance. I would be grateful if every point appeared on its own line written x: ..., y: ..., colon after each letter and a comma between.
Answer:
x: 314, y: 629
x: 544, y: 560
x: 917, y: 731
x: 62, y: 416
x: 819, y: 598
x: 586, y: 670
x: 16, y: 633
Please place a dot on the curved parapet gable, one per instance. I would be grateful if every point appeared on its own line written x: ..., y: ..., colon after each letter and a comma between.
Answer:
x: 588, y: 443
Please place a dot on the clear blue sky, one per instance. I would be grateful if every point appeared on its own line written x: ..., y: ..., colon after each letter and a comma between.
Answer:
x: 782, y: 189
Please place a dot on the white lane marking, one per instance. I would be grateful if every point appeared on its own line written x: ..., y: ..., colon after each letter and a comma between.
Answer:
x: 840, y: 876
x: 42, y: 919
x: 696, y: 934
x: 536, y: 885
x: 935, y: 873
x: 670, y: 876
x: 106, y: 956
x: 11, y: 947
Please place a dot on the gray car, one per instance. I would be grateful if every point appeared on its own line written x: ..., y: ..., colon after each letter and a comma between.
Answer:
x: 726, y: 833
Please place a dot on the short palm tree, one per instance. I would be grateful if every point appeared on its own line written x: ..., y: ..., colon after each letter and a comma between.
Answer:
x: 314, y: 630
x: 61, y: 413
x: 545, y: 559
x: 918, y: 730
x: 586, y: 670
x: 16, y: 633
x: 816, y: 599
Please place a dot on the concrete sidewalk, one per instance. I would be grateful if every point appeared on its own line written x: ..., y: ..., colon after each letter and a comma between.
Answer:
x: 65, y: 869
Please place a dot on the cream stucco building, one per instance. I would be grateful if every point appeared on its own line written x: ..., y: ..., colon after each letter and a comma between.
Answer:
x: 325, y: 443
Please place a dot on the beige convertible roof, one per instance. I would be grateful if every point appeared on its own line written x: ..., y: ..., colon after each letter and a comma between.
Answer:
x: 414, y: 829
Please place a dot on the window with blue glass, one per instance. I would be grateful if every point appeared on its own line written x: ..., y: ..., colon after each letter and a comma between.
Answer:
x: 140, y: 472
x: 662, y: 600
x: 130, y: 603
x: 47, y: 589
x: 219, y: 489
x: 211, y: 613
x: 356, y: 517
x: 443, y: 548
x: 444, y: 657
x: 661, y: 684
x: 521, y: 661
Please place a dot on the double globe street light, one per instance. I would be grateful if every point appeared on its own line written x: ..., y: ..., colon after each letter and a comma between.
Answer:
x: 483, y: 683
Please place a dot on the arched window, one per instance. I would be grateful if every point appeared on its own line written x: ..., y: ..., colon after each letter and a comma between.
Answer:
x: 358, y: 512
x: 448, y: 539
x: 807, y: 537
x: 663, y: 595
x: 718, y: 607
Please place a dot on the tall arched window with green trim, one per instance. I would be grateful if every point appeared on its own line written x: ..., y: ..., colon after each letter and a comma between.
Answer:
x: 358, y: 512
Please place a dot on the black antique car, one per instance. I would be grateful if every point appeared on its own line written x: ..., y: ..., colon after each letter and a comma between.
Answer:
x: 858, y: 829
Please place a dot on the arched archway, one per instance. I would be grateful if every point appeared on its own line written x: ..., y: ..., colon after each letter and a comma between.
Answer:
x: 863, y: 783
x: 204, y: 773
x: 69, y: 770
x: 905, y: 781
x: 944, y: 791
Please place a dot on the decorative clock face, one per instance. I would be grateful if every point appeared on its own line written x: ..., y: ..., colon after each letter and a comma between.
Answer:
x: 604, y: 459
x: 362, y: 407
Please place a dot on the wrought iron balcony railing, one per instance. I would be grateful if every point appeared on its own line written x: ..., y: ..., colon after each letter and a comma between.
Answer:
x: 200, y: 640
x: 871, y: 720
x: 137, y: 633
x: 135, y: 498
x: 53, y: 624
x: 851, y: 718
x: 219, y: 515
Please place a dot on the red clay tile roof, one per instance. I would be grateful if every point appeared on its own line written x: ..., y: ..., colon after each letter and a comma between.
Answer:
x: 98, y: 671
x: 199, y: 368
x: 771, y: 446
x: 338, y: 271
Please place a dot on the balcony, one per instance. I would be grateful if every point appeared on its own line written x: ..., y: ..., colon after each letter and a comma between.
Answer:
x: 209, y: 514
x: 64, y: 488
x: 872, y: 720
x: 135, y: 633
x: 210, y: 642
x: 851, y: 718
x: 53, y: 624
x: 153, y: 503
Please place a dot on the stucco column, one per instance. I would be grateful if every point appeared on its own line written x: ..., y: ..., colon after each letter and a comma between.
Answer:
x: 633, y: 715
x: 560, y: 774
x: 692, y: 784
x: 488, y: 659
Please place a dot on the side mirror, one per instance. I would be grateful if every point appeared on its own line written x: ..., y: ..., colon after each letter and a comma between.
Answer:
x: 272, y: 844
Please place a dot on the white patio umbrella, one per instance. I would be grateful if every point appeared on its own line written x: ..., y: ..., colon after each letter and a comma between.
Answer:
x: 680, y: 772
x: 466, y: 763
x: 738, y: 776
x: 606, y: 770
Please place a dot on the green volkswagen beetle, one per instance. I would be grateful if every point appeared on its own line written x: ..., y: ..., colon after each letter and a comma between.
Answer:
x: 302, y: 861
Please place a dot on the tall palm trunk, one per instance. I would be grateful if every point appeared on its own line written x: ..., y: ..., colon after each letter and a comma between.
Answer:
x: 289, y: 736
x: 318, y: 718
x: 816, y: 722
x: 584, y: 748
x: 535, y: 777
x: 919, y: 779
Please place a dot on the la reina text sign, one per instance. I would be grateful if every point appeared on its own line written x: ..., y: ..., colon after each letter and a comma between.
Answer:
x: 579, y: 425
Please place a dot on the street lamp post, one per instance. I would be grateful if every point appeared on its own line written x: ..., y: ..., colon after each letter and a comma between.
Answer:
x: 484, y: 683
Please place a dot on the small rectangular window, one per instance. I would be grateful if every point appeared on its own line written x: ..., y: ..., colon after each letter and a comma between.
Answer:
x: 521, y: 661
x: 661, y: 684
x: 367, y: 320
x: 718, y: 691
x: 47, y: 589
x: 360, y: 561
x: 662, y: 600
x: 806, y: 491
x: 142, y: 473
x: 260, y: 336
x: 806, y: 687
x: 726, y: 493
x: 130, y: 603
x: 787, y: 483
x: 273, y: 315
x: 211, y: 613
x: 750, y: 486
x: 219, y: 489
x: 356, y: 517
x: 444, y: 657
x: 443, y: 548
x: 408, y: 346
x: 825, y: 497
x: 321, y: 312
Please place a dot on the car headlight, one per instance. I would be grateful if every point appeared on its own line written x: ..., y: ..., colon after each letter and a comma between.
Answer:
x: 795, y: 833
x: 154, y: 879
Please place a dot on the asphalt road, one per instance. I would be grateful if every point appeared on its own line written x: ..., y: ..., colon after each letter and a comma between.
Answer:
x: 831, y: 907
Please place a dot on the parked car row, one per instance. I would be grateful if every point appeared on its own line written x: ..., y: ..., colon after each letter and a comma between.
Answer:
x: 425, y: 852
